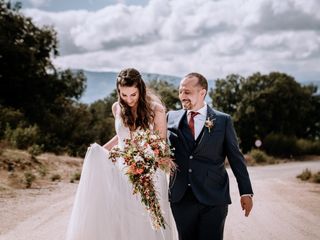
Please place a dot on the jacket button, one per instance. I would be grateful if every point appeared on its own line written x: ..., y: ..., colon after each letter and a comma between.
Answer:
x: 190, y: 170
x: 191, y: 157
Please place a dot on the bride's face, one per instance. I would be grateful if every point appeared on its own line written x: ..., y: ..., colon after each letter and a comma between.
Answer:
x: 130, y: 95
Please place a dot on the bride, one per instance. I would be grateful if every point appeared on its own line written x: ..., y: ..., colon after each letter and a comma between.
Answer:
x: 104, y: 206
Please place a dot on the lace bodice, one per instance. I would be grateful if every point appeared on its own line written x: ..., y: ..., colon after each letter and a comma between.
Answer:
x: 122, y: 131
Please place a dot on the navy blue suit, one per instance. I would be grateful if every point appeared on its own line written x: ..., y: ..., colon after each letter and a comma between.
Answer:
x: 199, y: 191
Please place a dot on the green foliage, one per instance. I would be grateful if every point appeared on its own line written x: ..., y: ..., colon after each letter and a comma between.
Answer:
x: 75, y: 177
x: 43, y: 170
x: 168, y: 92
x: 305, y: 146
x: 29, y: 178
x: 25, y: 61
x: 71, y: 83
x: 260, y: 156
x: 316, y: 177
x: 280, y: 145
x: 32, y: 89
x: 1, y: 149
x: 35, y: 150
x: 305, y: 175
x: 263, y: 104
x: 287, y: 146
x: 227, y: 95
x: 55, y: 177
x: 10, y: 118
x: 21, y: 137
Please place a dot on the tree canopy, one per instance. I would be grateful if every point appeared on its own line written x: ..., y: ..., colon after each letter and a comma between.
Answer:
x: 263, y: 104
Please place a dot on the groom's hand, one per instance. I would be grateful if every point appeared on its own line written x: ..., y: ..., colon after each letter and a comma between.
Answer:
x: 246, y: 204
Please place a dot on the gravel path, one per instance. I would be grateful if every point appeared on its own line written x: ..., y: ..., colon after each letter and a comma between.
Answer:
x: 284, y: 208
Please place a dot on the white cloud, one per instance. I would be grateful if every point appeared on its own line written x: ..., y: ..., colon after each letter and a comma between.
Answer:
x: 175, y: 37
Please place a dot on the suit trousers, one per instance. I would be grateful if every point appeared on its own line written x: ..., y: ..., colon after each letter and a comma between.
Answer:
x: 196, y: 221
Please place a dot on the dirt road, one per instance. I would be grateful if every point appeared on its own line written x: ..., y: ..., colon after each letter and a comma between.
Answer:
x: 284, y: 208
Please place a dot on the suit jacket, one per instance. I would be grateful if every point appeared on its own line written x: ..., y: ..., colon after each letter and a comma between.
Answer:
x: 201, y: 163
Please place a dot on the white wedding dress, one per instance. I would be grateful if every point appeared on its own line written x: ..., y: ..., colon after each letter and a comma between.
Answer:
x: 104, y: 206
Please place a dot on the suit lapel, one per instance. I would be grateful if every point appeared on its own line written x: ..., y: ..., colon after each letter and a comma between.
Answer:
x: 205, y: 134
x: 178, y: 118
x: 186, y: 132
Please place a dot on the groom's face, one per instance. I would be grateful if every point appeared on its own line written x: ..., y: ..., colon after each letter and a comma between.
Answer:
x: 191, y: 94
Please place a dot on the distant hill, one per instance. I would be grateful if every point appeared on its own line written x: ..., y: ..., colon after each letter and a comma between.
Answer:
x: 101, y: 84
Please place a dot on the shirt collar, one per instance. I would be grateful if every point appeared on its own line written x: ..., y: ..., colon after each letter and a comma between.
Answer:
x: 202, y: 111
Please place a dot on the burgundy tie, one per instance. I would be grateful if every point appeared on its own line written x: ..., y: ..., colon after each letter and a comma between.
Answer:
x: 191, y: 122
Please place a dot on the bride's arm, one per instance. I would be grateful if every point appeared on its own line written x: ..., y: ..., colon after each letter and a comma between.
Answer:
x: 160, y: 121
x: 113, y: 141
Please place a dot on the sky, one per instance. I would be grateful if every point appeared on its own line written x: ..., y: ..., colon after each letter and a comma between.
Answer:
x: 175, y: 37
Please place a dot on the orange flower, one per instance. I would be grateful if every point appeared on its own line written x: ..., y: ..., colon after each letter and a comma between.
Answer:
x: 139, y: 170
x: 156, y: 152
x: 132, y: 169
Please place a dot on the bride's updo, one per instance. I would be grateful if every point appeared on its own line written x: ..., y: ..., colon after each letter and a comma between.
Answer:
x: 130, y: 77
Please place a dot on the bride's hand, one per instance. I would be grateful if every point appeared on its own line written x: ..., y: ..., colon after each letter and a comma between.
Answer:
x: 167, y: 164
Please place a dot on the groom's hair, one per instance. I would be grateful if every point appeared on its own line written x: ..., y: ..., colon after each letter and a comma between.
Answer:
x: 202, y: 81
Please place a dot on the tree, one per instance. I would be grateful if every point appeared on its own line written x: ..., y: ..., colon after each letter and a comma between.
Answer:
x: 227, y: 95
x: 32, y: 86
x: 264, y: 104
x: 168, y: 92
x: 28, y: 80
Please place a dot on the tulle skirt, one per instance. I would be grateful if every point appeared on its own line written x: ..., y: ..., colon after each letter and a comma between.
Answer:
x: 105, y: 208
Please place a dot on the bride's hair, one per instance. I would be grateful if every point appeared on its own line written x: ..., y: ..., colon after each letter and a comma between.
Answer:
x: 131, y: 77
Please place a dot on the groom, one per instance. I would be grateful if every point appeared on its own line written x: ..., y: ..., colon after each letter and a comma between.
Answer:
x: 202, y: 139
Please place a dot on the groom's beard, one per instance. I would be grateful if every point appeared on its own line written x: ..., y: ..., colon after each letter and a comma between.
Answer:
x: 186, y: 104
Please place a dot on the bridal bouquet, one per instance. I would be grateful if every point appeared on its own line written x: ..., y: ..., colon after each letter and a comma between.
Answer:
x: 143, y: 154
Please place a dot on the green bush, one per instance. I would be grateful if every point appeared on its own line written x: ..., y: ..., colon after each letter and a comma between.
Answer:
x: 280, y: 145
x: 315, y: 148
x: 316, y: 177
x: 260, y: 156
x: 35, y: 150
x: 43, y: 170
x: 21, y: 137
x: 305, y: 146
x: 9, y: 117
x: 1, y: 149
x: 75, y: 177
x: 29, y: 178
x: 249, y: 159
x: 288, y: 146
x: 55, y: 177
x: 305, y: 175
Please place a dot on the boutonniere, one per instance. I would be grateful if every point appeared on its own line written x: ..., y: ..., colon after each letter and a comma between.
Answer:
x: 209, y: 123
